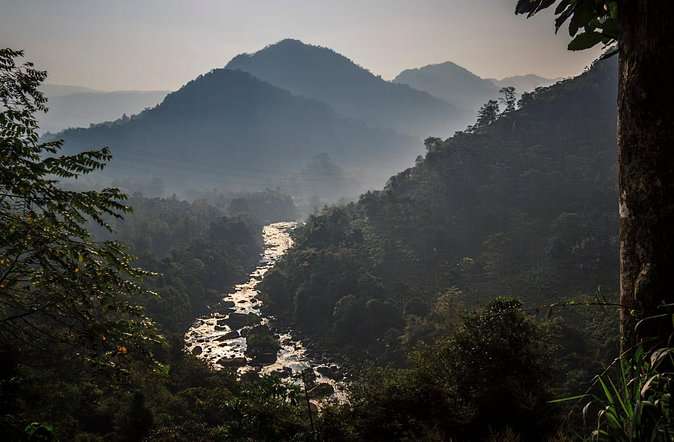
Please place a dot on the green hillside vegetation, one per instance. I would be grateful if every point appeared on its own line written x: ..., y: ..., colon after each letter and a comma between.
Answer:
x: 197, y: 252
x: 520, y: 205
x: 523, y: 207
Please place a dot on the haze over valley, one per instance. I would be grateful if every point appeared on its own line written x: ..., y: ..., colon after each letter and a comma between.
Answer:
x: 264, y: 119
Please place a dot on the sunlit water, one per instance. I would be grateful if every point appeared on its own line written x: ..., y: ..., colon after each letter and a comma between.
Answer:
x: 208, y: 337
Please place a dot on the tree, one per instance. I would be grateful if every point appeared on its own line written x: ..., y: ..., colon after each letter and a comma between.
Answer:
x: 642, y: 30
x: 433, y: 144
x: 509, y: 98
x: 487, y: 114
x: 60, y: 291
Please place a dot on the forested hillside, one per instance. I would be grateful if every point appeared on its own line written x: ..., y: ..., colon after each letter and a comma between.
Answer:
x: 522, y: 206
x: 229, y: 129
x: 353, y: 91
x: 197, y: 252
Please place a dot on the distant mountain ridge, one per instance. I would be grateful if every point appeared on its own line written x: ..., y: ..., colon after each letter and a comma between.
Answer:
x: 257, y: 122
x: 58, y: 90
x: 84, y: 108
x: 77, y: 106
x: 525, y: 83
x: 323, y: 74
x: 462, y: 88
x: 450, y: 82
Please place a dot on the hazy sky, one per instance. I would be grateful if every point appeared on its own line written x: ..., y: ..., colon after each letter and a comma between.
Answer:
x: 161, y: 44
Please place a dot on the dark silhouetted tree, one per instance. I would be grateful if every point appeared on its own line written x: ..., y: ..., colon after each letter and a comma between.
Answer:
x: 508, y: 98
x: 60, y: 290
x: 487, y: 114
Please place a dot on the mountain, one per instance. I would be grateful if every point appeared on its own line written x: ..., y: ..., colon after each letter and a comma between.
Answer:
x: 322, y: 74
x: 59, y: 90
x: 462, y: 88
x: 450, y: 82
x: 229, y: 128
x: 524, y: 206
x: 74, y: 106
x: 525, y: 83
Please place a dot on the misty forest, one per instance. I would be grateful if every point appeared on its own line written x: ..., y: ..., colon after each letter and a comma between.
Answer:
x: 290, y: 247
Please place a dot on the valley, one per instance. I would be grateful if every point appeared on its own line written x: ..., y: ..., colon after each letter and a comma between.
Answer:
x: 319, y: 221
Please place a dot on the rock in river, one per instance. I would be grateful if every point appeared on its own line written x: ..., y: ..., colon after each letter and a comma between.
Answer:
x: 332, y: 372
x: 227, y: 304
x: 238, y: 320
x: 232, y: 362
x: 227, y: 336
x: 321, y: 390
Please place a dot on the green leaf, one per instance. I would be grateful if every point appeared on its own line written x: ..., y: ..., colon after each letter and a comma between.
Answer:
x: 525, y: 6
x: 563, y: 17
x: 585, y: 40
x: 606, y: 391
x: 568, y: 399
x: 583, y: 13
x: 531, y: 7
x: 562, y: 6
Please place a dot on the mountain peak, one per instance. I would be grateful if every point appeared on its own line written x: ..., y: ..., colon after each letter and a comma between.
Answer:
x: 353, y: 91
x: 289, y: 52
x: 451, y: 82
x: 526, y: 82
x: 290, y: 42
x: 447, y: 67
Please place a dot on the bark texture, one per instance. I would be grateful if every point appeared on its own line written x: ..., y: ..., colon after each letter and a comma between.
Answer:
x: 646, y: 168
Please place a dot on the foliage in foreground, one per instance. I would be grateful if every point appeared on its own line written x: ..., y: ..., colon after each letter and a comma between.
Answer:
x: 59, y: 289
x: 492, y: 374
x: 633, y: 402
x: 79, y: 360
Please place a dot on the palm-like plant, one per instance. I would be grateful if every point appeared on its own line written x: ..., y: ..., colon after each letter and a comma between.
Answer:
x: 636, y: 403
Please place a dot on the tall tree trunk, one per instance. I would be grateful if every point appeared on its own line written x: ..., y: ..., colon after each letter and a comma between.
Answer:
x: 646, y: 168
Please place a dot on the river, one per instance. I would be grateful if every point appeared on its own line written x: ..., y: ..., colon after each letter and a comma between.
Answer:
x: 219, y: 338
